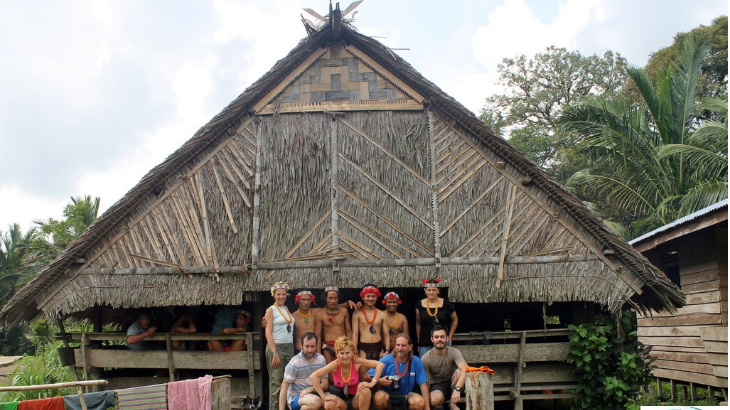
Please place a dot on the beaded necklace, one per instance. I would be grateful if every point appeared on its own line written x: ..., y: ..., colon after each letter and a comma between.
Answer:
x: 288, y: 321
x: 306, y: 318
x: 408, y: 363
x: 349, y: 373
x: 364, y: 313
x: 331, y: 315
x: 388, y: 320
x: 428, y: 308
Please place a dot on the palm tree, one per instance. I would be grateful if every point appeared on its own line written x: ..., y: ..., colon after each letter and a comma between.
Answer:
x: 13, y: 269
x: 657, y: 160
x: 53, y: 236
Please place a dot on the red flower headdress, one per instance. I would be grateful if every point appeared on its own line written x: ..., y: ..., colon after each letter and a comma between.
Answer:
x: 391, y: 296
x: 245, y: 314
x: 431, y: 283
x: 299, y: 295
x: 369, y: 289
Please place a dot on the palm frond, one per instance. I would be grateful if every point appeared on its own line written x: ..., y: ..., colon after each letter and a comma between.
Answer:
x: 703, y: 195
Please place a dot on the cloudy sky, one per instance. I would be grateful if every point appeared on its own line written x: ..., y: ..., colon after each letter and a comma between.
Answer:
x: 95, y: 93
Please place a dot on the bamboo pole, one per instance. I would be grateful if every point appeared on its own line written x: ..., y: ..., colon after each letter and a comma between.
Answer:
x: 225, y: 199
x: 167, y: 270
x: 56, y: 386
x: 505, y: 237
x: 257, y: 202
x: 432, y: 186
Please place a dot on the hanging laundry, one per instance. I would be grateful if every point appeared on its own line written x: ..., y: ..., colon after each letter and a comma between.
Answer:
x: 101, y: 400
x: 9, y: 406
x: 143, y: 398
x: 55, y: 403
x: 190, y: 394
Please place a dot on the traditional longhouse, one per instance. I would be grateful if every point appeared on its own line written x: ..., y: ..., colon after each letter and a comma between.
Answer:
x: 691, y: 344
x: 343, y: 165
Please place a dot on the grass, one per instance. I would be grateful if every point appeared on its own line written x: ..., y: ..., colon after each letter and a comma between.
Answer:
x: 680, y: 398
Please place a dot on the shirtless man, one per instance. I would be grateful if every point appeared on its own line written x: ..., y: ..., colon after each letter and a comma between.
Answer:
x: 370, y: 331
x: 304, y: 317
x: 397, y: 323
x: 332, y: 322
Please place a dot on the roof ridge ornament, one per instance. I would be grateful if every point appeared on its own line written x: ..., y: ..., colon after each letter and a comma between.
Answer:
x: 336, y: 17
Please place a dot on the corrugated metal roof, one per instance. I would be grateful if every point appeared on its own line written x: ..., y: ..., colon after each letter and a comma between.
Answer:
x: 680, y: 221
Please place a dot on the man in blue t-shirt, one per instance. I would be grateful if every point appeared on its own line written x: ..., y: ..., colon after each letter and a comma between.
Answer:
x: 401, y: 363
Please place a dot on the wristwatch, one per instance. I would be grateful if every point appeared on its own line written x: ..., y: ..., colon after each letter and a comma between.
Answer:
x: 457, y: 388
x: 273, y: 352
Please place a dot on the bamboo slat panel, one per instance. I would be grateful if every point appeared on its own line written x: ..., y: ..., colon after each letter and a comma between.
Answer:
x: 383, y: 173
x: 295, y: 184
x: 472, y: 196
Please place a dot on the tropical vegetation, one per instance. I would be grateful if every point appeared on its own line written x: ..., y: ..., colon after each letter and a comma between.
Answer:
x: 656, y: 160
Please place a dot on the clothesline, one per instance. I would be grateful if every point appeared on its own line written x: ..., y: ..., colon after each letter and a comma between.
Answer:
x: 54, y: 385
x: 192, y: 394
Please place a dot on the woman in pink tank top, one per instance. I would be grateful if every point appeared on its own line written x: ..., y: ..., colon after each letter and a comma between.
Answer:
x: 345, y: 384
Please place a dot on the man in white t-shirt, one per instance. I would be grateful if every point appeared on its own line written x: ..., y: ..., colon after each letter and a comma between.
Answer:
x: 296, y: 388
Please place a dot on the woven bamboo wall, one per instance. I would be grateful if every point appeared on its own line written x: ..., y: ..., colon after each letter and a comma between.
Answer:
x: 347, y: 199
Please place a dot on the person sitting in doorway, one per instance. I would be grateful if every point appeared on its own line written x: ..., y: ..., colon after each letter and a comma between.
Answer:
x: 140, y: 330
x: 183, y: 324
x: 230, y: 320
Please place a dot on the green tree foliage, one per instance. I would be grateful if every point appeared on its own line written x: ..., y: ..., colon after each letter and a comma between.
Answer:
x: 53, y: 236
x: 539, y: 89
x: 713, y: 81
x: 610, y: 363
x: 655, y: 161
x: 13, y: 269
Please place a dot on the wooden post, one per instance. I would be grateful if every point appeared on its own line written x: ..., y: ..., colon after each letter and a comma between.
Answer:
x: 85, y: 343
x: 170, y: 363
x: 479, y: 391
x: 693, y: 392
x: 518, y: 373
x: 710, y: 392
x: 79, y: 390
x: 659, y: 388
x: 220, y: 393
x: 251, y: 374
x: 672, y: 390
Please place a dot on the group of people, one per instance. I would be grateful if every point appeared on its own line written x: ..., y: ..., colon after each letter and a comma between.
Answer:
x: 369, y: 358
x: 227, y: 320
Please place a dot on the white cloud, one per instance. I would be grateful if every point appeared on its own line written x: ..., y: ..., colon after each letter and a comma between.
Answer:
x: 513, y: 29
x: 22, y: 207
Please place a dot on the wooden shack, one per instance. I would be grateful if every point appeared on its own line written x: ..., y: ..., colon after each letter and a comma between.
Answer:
x: 344, y: 166
x: 691, y: 344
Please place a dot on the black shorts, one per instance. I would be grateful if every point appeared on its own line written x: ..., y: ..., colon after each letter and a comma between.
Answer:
x: 443, y: 387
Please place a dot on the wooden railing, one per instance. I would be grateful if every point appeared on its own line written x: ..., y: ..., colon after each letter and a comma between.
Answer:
x: 90, y: 357
x: 526, y: 363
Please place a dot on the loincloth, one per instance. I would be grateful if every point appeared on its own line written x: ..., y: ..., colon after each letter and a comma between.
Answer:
x: 372, y: 350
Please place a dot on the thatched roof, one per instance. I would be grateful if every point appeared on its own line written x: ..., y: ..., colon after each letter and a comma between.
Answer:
x: 344, y: 165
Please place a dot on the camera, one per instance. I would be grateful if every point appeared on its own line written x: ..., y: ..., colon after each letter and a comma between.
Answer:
x: 396, y: 381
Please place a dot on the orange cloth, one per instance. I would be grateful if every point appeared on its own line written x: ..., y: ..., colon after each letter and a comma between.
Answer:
x: 484, y: 369
x: 55, y: 403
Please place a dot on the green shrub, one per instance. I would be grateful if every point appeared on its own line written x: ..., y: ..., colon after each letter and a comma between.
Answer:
x: 611, y: 364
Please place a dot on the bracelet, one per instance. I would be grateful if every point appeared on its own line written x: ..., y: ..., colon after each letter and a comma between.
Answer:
x: 274, y: 352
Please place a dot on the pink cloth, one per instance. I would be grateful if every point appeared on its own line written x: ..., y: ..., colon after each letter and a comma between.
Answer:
x: 190, y: 394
